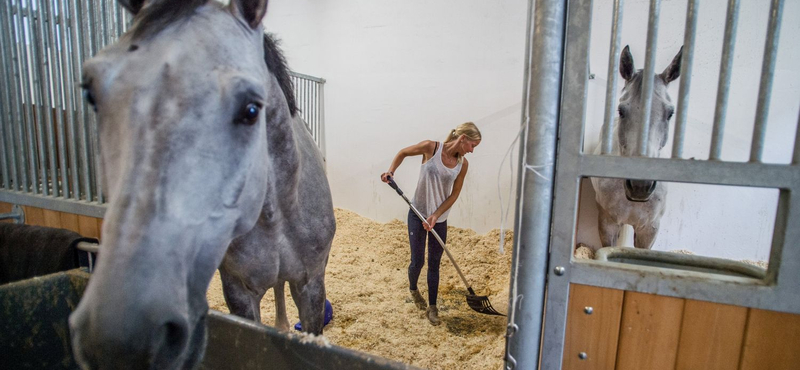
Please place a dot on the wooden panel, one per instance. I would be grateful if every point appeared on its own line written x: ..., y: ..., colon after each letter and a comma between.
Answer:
x: 34, y: 216
x: 69, y: 221
x: 99, y: 228
x: 5, y: 208
x: 772, y: 341
x: 87, y: 226
x: 52, y: 218
x: 594, y: 334
x: 649, y: 332
x: 711, y: 336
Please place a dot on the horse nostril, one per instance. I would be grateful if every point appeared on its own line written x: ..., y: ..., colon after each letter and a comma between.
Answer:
x: 169, y: 342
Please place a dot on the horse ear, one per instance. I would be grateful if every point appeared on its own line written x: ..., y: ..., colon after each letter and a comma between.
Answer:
x: 251, y: 11
x: 626, y: 63
x: 673, y: 70
x: 133, y: 6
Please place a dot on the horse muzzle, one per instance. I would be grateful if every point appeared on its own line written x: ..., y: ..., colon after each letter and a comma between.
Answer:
x: 639, y: 190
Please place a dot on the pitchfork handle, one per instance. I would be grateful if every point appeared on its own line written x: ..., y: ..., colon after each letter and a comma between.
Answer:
x: 435, y: 234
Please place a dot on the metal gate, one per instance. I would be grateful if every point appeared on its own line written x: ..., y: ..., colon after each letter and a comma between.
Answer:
x: 49, y: 135
x: 553, y: 162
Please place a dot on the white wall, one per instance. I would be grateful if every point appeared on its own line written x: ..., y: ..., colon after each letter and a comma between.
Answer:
x: 401, y: 72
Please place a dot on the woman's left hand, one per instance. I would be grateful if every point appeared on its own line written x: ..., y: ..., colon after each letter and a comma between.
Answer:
x: 431, y: 221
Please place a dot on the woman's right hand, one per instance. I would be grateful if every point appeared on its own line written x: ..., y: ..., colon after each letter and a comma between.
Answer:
x: 386, y: 176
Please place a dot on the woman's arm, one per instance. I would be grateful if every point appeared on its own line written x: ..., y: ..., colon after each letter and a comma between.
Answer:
x: 457, y: 184
x: 424, y: 148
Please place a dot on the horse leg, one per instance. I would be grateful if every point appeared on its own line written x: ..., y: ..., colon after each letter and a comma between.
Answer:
x: 310, y: 301
x: 608, y: 228
x: 645, y: 236
x: 241, y: 300
x: 281, y: 319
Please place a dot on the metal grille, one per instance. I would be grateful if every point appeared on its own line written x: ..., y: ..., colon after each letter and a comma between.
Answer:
x: 49, y: 140
x: 556, y: 91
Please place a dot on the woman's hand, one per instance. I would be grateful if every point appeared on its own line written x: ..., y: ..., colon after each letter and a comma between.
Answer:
x: 386, y: 176
x: 431, y: 221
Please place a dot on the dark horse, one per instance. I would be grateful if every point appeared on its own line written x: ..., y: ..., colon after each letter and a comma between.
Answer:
x: 207, y: 166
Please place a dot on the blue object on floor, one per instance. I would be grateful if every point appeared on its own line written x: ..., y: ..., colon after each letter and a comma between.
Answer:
x: 328, y: 316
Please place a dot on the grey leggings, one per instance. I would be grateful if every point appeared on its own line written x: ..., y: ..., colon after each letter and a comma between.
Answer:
x: 417, y: 236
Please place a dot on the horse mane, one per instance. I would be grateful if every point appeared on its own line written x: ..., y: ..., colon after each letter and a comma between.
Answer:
x: 276, y: 63
x: 155, y: 17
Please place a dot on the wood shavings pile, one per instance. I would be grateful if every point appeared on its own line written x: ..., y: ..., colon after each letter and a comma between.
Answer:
x: 367, y: 284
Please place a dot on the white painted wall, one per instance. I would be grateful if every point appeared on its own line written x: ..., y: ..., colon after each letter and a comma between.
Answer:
x: 401, y: 72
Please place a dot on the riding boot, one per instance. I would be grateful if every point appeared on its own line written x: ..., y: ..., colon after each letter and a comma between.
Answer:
x: 418, y: 300
x: 433, y: 315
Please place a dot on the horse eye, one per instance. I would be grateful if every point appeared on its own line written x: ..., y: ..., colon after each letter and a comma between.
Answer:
x: 250, y: 113
x: 87, y: 95
x: 669, y: 115
x: 621, y: 112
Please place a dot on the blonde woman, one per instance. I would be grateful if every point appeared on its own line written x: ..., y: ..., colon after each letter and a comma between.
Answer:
x: 441, y: 177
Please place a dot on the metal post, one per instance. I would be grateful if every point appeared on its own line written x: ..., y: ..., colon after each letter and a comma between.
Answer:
x: 25, y: 36
x: 47, y: 53
x: 57, y: 30
x: 686, y: 79
x: 724, y: 80
x: 543, y: 104
x: 18, y: 172
x: 73, y: 95
x: 767, y: 74
x: 649, y: 76
x: 611, y: 85
x: 42, y: 94
x: 6, y: 103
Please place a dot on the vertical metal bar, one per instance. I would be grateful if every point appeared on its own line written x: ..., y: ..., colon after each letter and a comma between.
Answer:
x: 611, y: 86
x: 35, y: 21
x: 767, y: 74
x: 46, y: 19
x: 686, y: 78
x: 724, y: 80
x: 649, y: 76
x: 17, y: 171
x: 322, y: 121
x: 316, y: 110
x: 119, y: 23
x: 87, y: 50
x: 31, y: 186
x: 546, y: 66
x: 9, y: 172
x: 75, y: 104
x: 59, y: 31
x: 511, y: 326
x: 796, y: 156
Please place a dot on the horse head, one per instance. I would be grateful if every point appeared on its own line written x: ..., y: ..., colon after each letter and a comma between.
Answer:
x: 630, y: 117
x: 183, y: 101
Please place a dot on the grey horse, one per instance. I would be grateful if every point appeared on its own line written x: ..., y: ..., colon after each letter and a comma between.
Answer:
x: 639, y: 203
x: 207, y: 166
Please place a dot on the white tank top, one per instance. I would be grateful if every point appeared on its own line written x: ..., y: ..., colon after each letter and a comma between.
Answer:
x: 435, y: 184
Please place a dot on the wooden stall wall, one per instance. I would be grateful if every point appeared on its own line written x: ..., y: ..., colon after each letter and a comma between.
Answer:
x: 633, y: 331
x: 87, y: 226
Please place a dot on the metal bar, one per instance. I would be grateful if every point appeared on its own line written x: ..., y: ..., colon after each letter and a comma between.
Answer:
x: 16, y: 102
x: 649, y: 76
x: 48, y: 55
x: 546, y: 66
x: 689, y: 36
x: 611, y: 85
x: 323, y: 143
x: 700, y: 172
x: 796, y: 155
x: 86, y: 51
x: 312, y: 78
x: 42, y: 94
x: 6, y: 104
x: 75, y: 104
x: 33, y: 185
x: 91, y: 209
x: 511, y: 327
x: 767, y: 75
x: 724, y: 80
x: 58, y: 32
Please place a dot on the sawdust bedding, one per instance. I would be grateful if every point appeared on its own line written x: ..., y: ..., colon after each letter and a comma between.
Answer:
x: 367, y: 284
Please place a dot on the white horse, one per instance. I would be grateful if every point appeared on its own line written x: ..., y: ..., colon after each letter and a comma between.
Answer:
x: 639, y: 203
x: 201, y: 148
